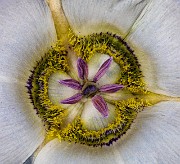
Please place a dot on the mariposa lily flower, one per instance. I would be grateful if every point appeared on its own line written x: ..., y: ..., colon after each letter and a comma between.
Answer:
x: 40, y: 46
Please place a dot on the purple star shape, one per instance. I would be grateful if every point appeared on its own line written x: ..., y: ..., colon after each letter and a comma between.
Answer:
x: 89, y: 88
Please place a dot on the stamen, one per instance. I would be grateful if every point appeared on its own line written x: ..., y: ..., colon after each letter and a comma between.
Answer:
x: 100, y: 105
x: 103, y: 69
x: 111, y: 88
x: 82, y: 69
x: 71, y: 83
x: 72, y: 100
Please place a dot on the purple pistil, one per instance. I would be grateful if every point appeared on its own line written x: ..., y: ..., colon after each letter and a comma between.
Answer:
x: 111, y: 88
x: 72, y: 100
x: 71, y: 83
x: 103, y: 69
x: 82, y: 69
x: 100, y: 104
x: 90, y: 90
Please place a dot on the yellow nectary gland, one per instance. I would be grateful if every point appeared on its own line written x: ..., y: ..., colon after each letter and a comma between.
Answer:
x: 126, y: 113
x: 112, y: 45
x: 54, y: 116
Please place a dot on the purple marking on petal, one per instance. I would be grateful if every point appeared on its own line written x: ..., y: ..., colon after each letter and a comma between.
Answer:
x: 82, y: 68
x: 71, y: 83
x: 103, y: 69
x: 100, y: 104
x: 111, y: 88
x: 72, y: 100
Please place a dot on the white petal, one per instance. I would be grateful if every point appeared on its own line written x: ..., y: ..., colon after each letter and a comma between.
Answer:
x: 27, y: 30
x: 73, y: 111
x: 58, y: 92
x: 154, y: 138
x: 156, y: 34
x: 93, y: 119
x: 111, y: 76
x: 92, y: 16
x: 21, y: 131
x: 62, y: 152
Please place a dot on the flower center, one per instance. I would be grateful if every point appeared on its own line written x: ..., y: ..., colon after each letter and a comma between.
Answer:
x: 89, y: 90
x: 106, y: 114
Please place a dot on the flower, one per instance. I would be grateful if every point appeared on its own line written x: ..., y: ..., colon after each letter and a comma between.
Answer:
x: 151, y: 28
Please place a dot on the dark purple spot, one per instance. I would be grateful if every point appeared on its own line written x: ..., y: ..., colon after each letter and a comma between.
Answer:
x: 90, y: 90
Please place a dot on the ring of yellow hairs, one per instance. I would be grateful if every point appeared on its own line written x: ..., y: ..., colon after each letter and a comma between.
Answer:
x: 54, y: 116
